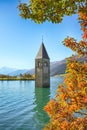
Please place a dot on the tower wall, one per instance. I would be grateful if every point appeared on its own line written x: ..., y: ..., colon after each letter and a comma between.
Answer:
x: 38, y: 73
x: 46, y: 72
x: 42, y: 72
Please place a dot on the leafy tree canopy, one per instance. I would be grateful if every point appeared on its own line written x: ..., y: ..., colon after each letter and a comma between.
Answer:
x: 51, y: 10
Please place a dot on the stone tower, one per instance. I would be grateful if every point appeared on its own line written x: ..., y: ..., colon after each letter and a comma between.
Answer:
x: 42, y: 68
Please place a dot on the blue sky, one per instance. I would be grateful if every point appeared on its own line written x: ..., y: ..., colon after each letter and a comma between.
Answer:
x: 20, y: 39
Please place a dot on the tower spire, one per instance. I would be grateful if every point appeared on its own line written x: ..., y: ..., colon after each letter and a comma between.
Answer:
x: 42, y: 53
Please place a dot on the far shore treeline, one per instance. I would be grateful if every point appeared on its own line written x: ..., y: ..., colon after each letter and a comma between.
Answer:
x: 20, y: 77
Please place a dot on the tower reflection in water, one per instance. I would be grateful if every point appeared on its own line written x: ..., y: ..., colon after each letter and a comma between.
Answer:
x: 42, y: 96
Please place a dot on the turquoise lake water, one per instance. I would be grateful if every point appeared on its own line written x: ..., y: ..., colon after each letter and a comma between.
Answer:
x: 21, y: 104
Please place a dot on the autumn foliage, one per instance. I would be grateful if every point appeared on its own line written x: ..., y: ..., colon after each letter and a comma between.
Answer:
x: 68, y: 111
x: 49, y: 10
x: 79, y: 47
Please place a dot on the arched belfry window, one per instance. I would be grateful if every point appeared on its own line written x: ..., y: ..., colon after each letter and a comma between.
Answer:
x: 39, y: 64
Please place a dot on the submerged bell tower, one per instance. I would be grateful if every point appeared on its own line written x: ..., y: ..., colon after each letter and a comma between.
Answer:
x: 42, y: 68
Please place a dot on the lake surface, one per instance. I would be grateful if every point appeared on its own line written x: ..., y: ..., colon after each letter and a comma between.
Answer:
x: 21, y: 104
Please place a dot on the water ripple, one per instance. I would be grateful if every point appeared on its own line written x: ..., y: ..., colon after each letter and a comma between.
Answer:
x: 21, y: 104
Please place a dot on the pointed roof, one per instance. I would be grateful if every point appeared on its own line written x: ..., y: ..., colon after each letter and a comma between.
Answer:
x: 42, y: 53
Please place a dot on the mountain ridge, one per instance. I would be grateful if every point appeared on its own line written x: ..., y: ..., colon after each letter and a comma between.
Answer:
x: 56, y: 68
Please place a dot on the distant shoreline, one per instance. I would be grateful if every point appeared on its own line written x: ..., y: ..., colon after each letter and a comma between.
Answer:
x: 16, y: 79
x: 20, y: 77
x: 26, y: 79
